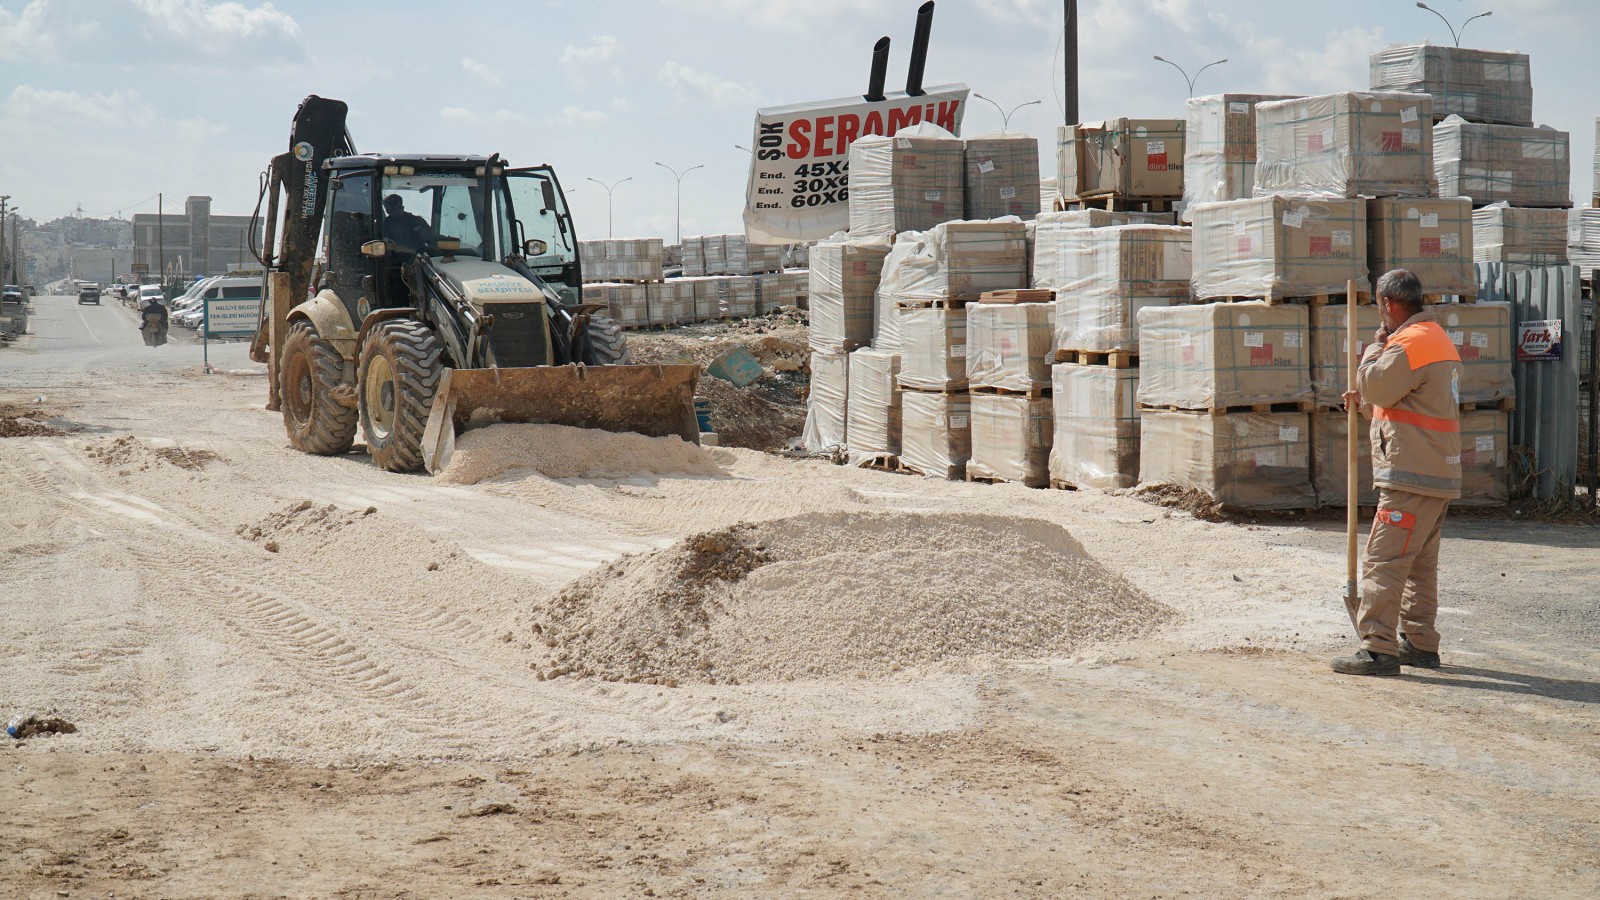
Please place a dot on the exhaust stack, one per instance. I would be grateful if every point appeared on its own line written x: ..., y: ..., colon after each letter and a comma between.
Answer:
x: 880, y: 71
x: 919, y: 50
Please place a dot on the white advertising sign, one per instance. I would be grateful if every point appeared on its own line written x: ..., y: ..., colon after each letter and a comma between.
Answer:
x: 799, y: 187
x: 234, y: 317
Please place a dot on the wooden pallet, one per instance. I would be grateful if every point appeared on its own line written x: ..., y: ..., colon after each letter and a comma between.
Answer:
x: 959, y: 474
x: 1114, y: 203
x: 1114, y: 359
x: 884, y: 462
x: 1029, y: 295
x: 992, y: 479
x: 1503, y: 404
x: 1038, y: 390
x: 1059, y: 485
x: 1288, y: 406
x: 957, y: 388
x: 941, y: 303
x: 1363, y: 298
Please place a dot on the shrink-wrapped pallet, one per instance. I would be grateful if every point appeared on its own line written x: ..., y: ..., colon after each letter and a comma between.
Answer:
x: 659, y: 302
x: 1055, y: 243
x: 737, y: 297
x: 1011, y: 436
x: 1481, y: 333
x: 745, y: 258
x: 826, y: 416
x: 775, y: 290
x: 1219, y: 155
x: 949, y: 264
x: 692, y: 256
x: 1109, y: 274
x: 626, y: 304
x: 1002, y: 176
x: 1583, y: 239
x: 909, y: 182
x: 1432, y: 239
x: 683, y: 297
x: 1132, y: 158
x: 592, y: 256
x: 707, y: 298
x: 1330, y: 459
x: 1485, y: 459
x: 844, y: 285
x: 1278, y: 247
x: 1220, y: 355
x: 716, y: 254
x: 1346, y: 145
x: 935, y: 433
x: 874, y: 408
x: 1096, y: 427
x: 1329, y: 380
x: 1479, y: 85
x: 1010, y: 346
x: 1520, y: 238
x: 1528, y: 167
x: 1254, y: 461
x: 933, y: 349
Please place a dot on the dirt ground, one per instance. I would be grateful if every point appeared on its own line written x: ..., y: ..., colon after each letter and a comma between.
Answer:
x: 305, y: 677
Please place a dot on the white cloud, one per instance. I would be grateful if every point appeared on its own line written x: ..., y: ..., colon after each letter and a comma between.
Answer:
x: 482, y: 71
x: 222, y: 29
x: 816, y: 15
x: 687, y: 82
x: 460, y: 115
x: 1028, y: 12
x: 583, y: 63
x: 576, y: 117
x: 1341, y: 63
x: 25, y: 31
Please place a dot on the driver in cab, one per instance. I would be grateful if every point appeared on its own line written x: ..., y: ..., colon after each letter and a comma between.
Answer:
x: 407, y: 232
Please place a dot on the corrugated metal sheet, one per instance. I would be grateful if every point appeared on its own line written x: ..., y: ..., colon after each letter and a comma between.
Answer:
x: 1546, y: 417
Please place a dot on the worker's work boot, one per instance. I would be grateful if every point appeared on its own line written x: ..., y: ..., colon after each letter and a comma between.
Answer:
x: 1365, y: 662
x: 1418, y: 659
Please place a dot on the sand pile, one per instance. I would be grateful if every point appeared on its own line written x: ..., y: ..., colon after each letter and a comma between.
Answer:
x: 129, y: 450
x: 22, y: 421
x: 304, y: 517
x: 559, y: 451
x: 831, y: 594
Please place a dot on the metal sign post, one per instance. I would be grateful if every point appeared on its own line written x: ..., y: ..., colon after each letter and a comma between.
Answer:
x: 231, y: 318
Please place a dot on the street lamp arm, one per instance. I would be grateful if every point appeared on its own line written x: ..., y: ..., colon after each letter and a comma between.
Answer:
x: 1454, y: 35
x: 1203, y: 68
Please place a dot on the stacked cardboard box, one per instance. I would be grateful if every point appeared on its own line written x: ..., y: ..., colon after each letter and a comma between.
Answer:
x: 827, y: 423
x: 745, y: 258
x: 1009, y: 346
x: 736, y: 297
x: 933, y: 349
x: 1430, y: 238
x: 1485, y: 458
x: 1278, y: 247
x: 1481, y: 333
x: 1002, y: 176
x: 1096, y: 443
x: 708, y: 301
x: 1346, y: 145
x: 626, y: 304
x: 1519, y: 238
x: 1219, y: 156
x: 1011, y: 436
x: 1056, y: 245
x: 1329, y: 378
x: 909, y: 182
x: 935, y: 433
x: 1129, y: 158
x: 775, y: 290
x: 661, y: 306
x: 1330, y: 459
x: 692, y: 256
x: 1243, y: 460
x: 1106, y: 275
x: 946, y: 266
x: 1527, y: 167
x: 1583, y: 239
x: 622, y: 260
x: 1220, y: 355
x: 1480, y: 85
x: 873, y: 410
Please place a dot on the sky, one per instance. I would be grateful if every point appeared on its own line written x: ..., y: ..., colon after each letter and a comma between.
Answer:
x: 105, y: 103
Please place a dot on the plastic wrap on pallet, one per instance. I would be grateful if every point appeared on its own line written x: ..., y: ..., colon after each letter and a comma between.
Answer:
x: 1479, y: 85
x: 1330, y: 460
x: 1278, y: 247
x: 1112, y: 273
x: 1134, y: 158
x: 692, y: 255
x: 660, y: 304
x: 874, y: 409
x: 1258, y: 461
x: 1219, y: 153
x: 706, y: 298
x: 1049, y: 193
x: 1482, y: 335
x: 736, y: 296
x: 1010, y: 346
x: 716, y: 253
x: 901, y: 276
x: 1002, y: 176
x: 951, y: 263
x: 933, y: 349
x: 909, y: 182
x: 745, y: 258
x: 826, y: 417
x: 1329, y: 380
x: 1432, y: 239
x: 1011, y: 435
x: 776, y: 290
x: 1528, y: 167
x: 1522, y: 238
x: 1485, y: 458
x: 626, y: 304
x: 1583, y: 239
x: 1346, y: 145
x: 844, y: 282
x: 935, y: 433
x: 1053, y: 240
x: 1218, y: 355
x: 1096, y: 427
x: 598, y: 293
x: 683, y: 297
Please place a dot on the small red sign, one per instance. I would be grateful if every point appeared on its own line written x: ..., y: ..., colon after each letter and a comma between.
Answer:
x: 1430, y: 248
x: 1321, y: 246
x: 1158, y: 162
x: 1246, y: 248
x: 1261, y: 356
x: 1393, y: 142
x: 1314, y: 143
x: 1539, y: 341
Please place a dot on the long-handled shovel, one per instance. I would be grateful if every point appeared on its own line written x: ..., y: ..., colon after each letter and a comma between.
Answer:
x: 1353, y: 428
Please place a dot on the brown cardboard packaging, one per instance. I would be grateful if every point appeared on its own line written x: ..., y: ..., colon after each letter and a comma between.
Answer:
x: 1219, y: 155
x: 1140, y: 158
x: 1278, y: 247
x: 1346, y: 145
x: 1527, y: 167
x: 1479, y: 85
x: 1520, y: 238
x: 935, y: 433
x: 1328, y: 371
x: 844, y: 284
x: 1432, y: 239
x: 1009, y: 346
x: 1011, y: 436
x: 1096, y: 441
x: 1485, y: 459
x: 1219, y: 355
x: 1002, y: 176
x: 1109, y: 274
x: 933, y: 349
x: 1330, y: 459
x: 1243, y: 460
x: 909, y: 182
x: 1481, y: 333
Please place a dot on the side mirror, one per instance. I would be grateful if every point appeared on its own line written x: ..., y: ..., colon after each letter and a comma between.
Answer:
x: 375, y: 249
x: 536, y: 247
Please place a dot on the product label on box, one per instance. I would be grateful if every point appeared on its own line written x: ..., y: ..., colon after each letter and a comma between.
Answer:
x: 1291, y: 339
x: 1429, y: 220
x: 1344, y: 348
x: 1288, y: 433
x: 1240, y: 226
x: 1262, y: 356
x: 1484, y: 443
x: 1428, y: 248
x: 1239, y: 108
x: 1294, y: 219
x: 986, y: 166
x: 1008, y: 193
x: 903, y: 143
x: 1266, y: 459
x: 1459, y: 338
x: 1342, y: 237
x: 1408, y: 115
x: 1451, y: 241
x: 1255, y: 338
x: 938, y: 420
x: 1480, y: 339
x: 1320, y: 245
x: 1390, y: 142
x: 1411, y: 136
x: 958, y: 421
x: 1246, y: 247
x: 1156, y: 156
x: 958, y: 351
x: 932, y: 196
x: 1320, y: 142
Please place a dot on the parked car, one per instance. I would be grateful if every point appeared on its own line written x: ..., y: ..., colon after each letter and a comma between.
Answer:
x: 11, y: 293
x: 89, y: 295
x: 220, y: 288
x: 151, y: 293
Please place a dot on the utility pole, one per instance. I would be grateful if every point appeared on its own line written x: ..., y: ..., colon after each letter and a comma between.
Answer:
x: 3, y: 256
x: 679, y: 175
x: 1069, y: 63
x: 17, y: 272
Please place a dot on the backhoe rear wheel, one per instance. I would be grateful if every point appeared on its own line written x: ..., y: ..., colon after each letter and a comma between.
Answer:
x: 401, y: 362
x: 309, y: 373
x: 608, y: 346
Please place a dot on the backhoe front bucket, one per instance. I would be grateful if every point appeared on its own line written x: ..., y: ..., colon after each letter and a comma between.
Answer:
x: 651, y: 400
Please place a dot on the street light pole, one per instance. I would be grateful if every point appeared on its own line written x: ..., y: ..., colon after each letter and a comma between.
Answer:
x: 1185, y: 74
x: 1005, y: 117
x: 609, y: 188
x: 3, y: 257
x: 679, y: 176
x: 1455, y: 33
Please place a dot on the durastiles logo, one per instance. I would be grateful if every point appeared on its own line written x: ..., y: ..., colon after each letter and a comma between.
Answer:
x: 303, y: 152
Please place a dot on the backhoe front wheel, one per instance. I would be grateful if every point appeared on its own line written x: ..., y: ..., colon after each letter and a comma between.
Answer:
x: 400, y: 366
x: 310, y: 373
x: 607, y: 345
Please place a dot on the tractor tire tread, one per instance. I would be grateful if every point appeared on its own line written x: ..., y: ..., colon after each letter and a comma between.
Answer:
x: 331, y: 428
x: 608, y: 345
x: 417, y: 360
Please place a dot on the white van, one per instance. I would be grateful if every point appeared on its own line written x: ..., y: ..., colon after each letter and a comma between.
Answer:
x: 246, y: 287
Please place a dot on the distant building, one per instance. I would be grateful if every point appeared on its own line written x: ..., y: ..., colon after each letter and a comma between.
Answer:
x: 194, y: 243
